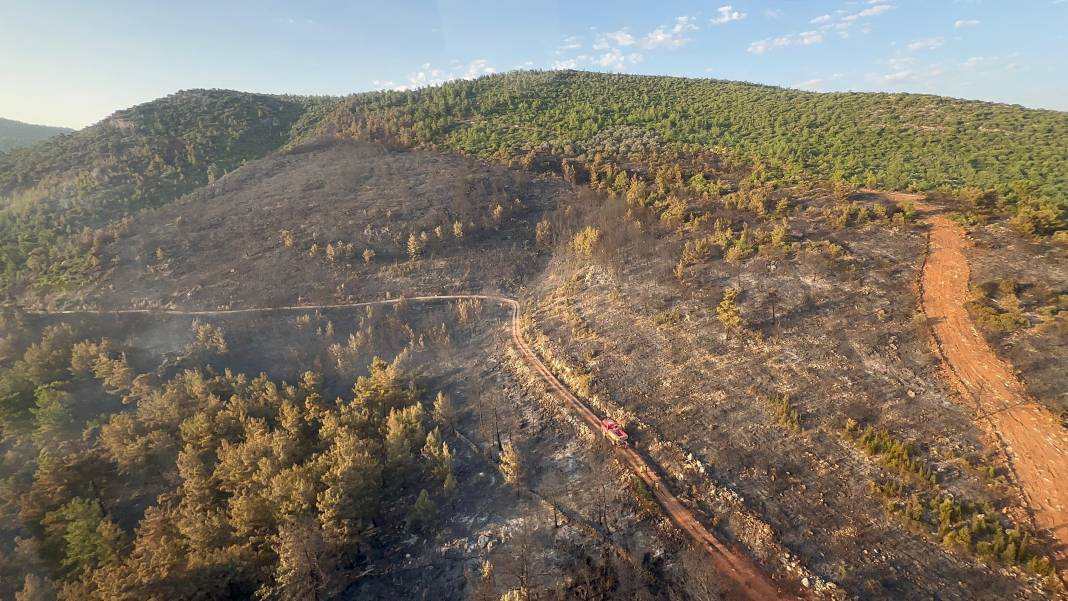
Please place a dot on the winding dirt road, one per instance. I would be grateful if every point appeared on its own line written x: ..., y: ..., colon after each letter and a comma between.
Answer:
x: 743, y: 576
x: 1033, y: 438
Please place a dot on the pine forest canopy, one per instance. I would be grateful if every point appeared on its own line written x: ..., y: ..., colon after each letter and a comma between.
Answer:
x: 898, y: 141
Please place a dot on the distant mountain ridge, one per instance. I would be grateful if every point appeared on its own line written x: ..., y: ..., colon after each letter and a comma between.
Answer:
x: 16, y: 134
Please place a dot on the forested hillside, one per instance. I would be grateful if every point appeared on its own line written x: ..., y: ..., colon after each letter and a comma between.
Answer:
x: 61, y: 199
x: 16, y: 134
x: 898, y: 141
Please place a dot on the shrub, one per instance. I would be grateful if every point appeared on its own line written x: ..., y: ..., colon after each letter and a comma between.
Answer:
x: 287, y: 239
x: 511, y: 464
x: 415, y: 247
x: 728, y: 312
x: 741, y: 249
x: 1038, y: 218
x: 542, y: 232
x: 892, y: 451
x: 786, y: 414
x: 586, y: 241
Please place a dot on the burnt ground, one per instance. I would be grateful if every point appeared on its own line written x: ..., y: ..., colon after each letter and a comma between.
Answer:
x: 1039, y: 350
x: 834, y: 330
x: 571, y: 527
x: 843, y: 343
x: 222, y: 245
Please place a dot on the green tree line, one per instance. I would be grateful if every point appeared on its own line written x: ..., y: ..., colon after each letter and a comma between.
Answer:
x: 118, y: 485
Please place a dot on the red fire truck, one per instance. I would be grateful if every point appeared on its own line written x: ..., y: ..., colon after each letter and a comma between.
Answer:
x: 614, y: 432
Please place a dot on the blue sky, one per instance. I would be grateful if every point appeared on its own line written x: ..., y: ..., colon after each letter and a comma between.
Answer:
x: 73, y: 63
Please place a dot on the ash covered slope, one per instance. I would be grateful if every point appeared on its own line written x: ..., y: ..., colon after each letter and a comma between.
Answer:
x: 333, y: 221
x: 61, y: 199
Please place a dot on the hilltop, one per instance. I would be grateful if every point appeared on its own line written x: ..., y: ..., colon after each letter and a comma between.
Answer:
x: 16, y: 134
x: 896, y: 141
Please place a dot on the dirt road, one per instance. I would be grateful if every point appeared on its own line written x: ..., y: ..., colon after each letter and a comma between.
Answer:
x: 1033, y: 438
x: 746, y: 579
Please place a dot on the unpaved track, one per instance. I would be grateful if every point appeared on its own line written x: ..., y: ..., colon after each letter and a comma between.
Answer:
x: 747, y: 580
x: 1034, y: 440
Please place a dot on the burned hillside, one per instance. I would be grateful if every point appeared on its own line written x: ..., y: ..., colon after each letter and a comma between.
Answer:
x: 781, y: 372
x: 760, y: 340
x: 330, y: 222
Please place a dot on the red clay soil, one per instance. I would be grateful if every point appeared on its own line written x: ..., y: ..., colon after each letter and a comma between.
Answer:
x: 1032, y: 436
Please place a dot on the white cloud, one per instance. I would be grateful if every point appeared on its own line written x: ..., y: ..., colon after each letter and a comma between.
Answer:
x: 614, y: 38
x: 899, y: 63
x: 964, y: 23
x: 902, y: 75
x: 571, y: 63
x: 874, y: 11
x: 684, y: 24
x: 990, y: 64
x: 908, y: 75
x: 805, y: 38
x: 663, y: 37
x: 572, y: 42
x: 842, y: 22
x: 726, y: 14
x: 425, y: 76
x: 927, y: 44
x: 616, y: 60
x: 614, y: 50
x: 772, y: 13
x: 428, y: 75
x: 478, y: 68
x: 905, y: 69
x: 659, y: 38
